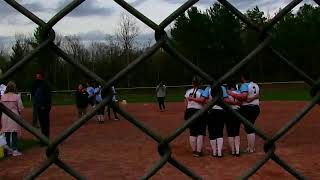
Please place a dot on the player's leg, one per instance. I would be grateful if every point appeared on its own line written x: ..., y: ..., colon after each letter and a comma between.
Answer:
x: 200, y: 132
x: 108, y: 111
x: 252, y: 113
x: 159, y: 103
x: 231, y: 141
x: 236, y: 133
x: 202, y: 125
x: 98, y: 117
x: 102, y: 114
x: 192, y: 136
x: 220, y: 125
x: 229, y: 126
x: 255, y: 111
x: 245, y: 113
x: 212, y: 132
x: 213, y: 143
x: 162, y: 102
x: 199, y: 143
x: 79, y: 112
x: 115, y: 112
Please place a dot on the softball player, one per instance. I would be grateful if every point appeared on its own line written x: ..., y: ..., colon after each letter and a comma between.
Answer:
x: 91, y: 92
x: 215, y: 120
x: 114, y: 101
x: 98, y: 99
x: 250, y: 106
x: 198, y: 127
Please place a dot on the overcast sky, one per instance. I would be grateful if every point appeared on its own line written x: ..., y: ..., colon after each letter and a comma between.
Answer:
x: 95, y: 18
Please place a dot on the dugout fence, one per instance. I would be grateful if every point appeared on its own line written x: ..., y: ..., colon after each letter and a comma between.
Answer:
x: 163, y: 42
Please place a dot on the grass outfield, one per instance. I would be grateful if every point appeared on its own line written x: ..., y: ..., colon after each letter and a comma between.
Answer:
x: 176, y: 95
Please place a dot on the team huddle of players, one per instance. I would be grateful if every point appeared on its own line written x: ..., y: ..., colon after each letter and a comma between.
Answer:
x: 244, y: 100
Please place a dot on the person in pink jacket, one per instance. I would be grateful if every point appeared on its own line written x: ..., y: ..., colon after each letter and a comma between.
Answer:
x: 11, y: 129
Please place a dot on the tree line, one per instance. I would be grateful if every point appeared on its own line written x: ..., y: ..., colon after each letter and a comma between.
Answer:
x: 213, y: 39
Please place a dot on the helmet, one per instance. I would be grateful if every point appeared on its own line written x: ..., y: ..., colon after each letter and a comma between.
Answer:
x: 196, y: 80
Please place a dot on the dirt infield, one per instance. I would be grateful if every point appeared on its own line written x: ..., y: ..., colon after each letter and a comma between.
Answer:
x: 117, y: 150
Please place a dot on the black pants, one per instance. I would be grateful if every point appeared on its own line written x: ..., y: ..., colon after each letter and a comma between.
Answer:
x: 251, y: 113
x: 12, y: 138
x: 216, y: 121
x: 92, y: 101
x: 232, y: 124
x: 198, y: 127
x: 161, y: 103
x: 44, y: 119
x: 111, y: 104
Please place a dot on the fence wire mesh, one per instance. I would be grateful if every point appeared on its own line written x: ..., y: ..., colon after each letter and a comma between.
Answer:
x: 164, y: 42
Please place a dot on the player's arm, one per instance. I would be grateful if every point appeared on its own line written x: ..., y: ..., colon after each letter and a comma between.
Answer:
x: 240, y: 96
x: 200, y: 100
x: 185, y: 103
x: 250, y: 99
x: 203, y: 99
x: 231, y: 102
x: 186, y: 99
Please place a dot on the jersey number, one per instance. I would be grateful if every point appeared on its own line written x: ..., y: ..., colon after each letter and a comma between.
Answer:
x: 254, y: 90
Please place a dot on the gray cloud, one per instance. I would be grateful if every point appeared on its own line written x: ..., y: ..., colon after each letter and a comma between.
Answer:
x: 35, y: 7
x: 206, y: 2
x: 92, y: 36
x: 6, y: 10
x: 87, y: 8
x: 246, y: 4
x: 5, y: 40
x: 137, y: 3
x: 12, y: 17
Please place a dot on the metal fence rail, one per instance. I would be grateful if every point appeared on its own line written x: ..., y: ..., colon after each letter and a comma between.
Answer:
x: 162, y: 41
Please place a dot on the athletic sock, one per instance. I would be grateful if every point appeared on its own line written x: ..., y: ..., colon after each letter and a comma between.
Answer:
x: 237, y: 144
x: 213, y: 144
x: 199, y: 143
x: 231, y: 142
x: 193, y: 142
x: 220, y: 145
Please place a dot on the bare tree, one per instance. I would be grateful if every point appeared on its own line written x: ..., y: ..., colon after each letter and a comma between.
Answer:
x: 126, y: 35
x: 75, y: 48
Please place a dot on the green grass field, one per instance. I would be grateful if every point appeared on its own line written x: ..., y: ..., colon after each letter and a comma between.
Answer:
x: 268, y: 93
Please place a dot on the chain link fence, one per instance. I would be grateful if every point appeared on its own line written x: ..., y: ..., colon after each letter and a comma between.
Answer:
x: 164, y: 42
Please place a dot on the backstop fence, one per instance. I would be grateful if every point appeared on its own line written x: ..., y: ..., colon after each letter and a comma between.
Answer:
x: 164, y: 42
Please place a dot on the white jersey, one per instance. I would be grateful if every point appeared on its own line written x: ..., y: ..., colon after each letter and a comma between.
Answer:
x: 2, y: 89
x: 253, y: 89
x: 196, y: 93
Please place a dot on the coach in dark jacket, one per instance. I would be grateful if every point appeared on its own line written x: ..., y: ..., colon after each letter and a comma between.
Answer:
x: 42, y: 101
